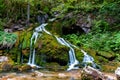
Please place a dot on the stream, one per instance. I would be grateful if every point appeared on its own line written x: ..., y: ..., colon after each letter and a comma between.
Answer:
x: 42, y: 75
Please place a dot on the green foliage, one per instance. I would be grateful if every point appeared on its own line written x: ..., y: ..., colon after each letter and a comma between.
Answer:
x: 106, y: 44
x: 25, y: 39
x: 100, y: 26
x: 110, y: 9
x: 101, y: 41
x: 111, y: 13
x: 2, y: 23
x: 116, y: 42
x: 2, y: 7
x: 64, y: 6
x: 117, y: 57
x: 7, y: 39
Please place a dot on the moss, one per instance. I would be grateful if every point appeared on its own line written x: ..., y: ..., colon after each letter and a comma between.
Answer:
x: 110, y: 66
x: 23, y: 38
x: 101, y: 60
x: 26, y: 39
x: 55, y: 27
x: 24, y: 68
x: 52, y: 49
x: 79, y: 55
x: 13, y: 53
x: 7, y: 65
x: 55, y: 67
x: 107, y: 55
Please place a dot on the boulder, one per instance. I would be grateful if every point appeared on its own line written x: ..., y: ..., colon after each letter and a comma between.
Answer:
x: 94, y: 74
x: 6, y: 66
x: 3, y: 58
x: 117, y: 73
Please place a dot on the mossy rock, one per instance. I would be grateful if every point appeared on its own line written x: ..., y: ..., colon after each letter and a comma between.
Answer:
x: 23, y: 39
x: 56, y: 27
x: 110, y: 66
x: 55, y: 67
x: 92, y: 53
x: 26, y: 39
x: 54, y: 51
x: 24, y: 68
x: 6, y: 65
x: 79, y: 54
x: 102, y: 60
x: 107, y: 55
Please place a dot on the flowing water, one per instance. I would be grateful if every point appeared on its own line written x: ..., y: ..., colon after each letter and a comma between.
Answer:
x: 73, y: 61
x: 88, y: 59
x: 34, y: 37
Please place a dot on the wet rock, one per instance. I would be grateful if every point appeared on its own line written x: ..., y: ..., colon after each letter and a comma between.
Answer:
x: 72, y: 78
x: 39, y: 73
x: 61, y: 75
x: 8, y: 30
x: 24, y: 68
x: 6, y: 66
x: 117, y: 73
x: 3, y: 58
x: 55, y: 67
x: 94, y: 74
x: 85, y: 23
x: 18, y: 28
x: 42, y: 18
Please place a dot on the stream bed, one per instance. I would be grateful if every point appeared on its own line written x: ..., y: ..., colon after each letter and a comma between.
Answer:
x: 46, y: 75
x: 42, y: 75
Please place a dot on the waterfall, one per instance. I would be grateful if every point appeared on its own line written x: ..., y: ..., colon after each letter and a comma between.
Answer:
x: 73, y: 61
x: 34, y: 37
x: 88, y: 59
x: 72, y: 58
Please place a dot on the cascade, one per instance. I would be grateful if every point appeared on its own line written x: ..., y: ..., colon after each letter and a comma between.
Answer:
x: 31, y: 62
x: 73, y: 61
x: 88, y: 59
x: 34, y: 37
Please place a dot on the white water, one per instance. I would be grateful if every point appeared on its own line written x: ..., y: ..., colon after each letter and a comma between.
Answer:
x: 73, y: 61
x: 31, y: 62
x: 88, y: 59
x: 34, y: 37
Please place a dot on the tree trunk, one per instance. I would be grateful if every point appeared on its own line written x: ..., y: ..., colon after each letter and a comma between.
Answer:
x: 28, y: 13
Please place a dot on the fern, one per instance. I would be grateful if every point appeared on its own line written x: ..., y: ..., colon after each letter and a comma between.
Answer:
x: 7, y: 39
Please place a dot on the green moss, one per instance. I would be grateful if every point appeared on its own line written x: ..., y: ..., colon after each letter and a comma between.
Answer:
x: 55, y: 27
x: 52, y: 49
x: 79, y: 55
x: 7, y: 39
x: 55, y: 67
x: 106, y: 55
x: 14, y: 54
x: 110, y: 66
x: 25, y: 39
